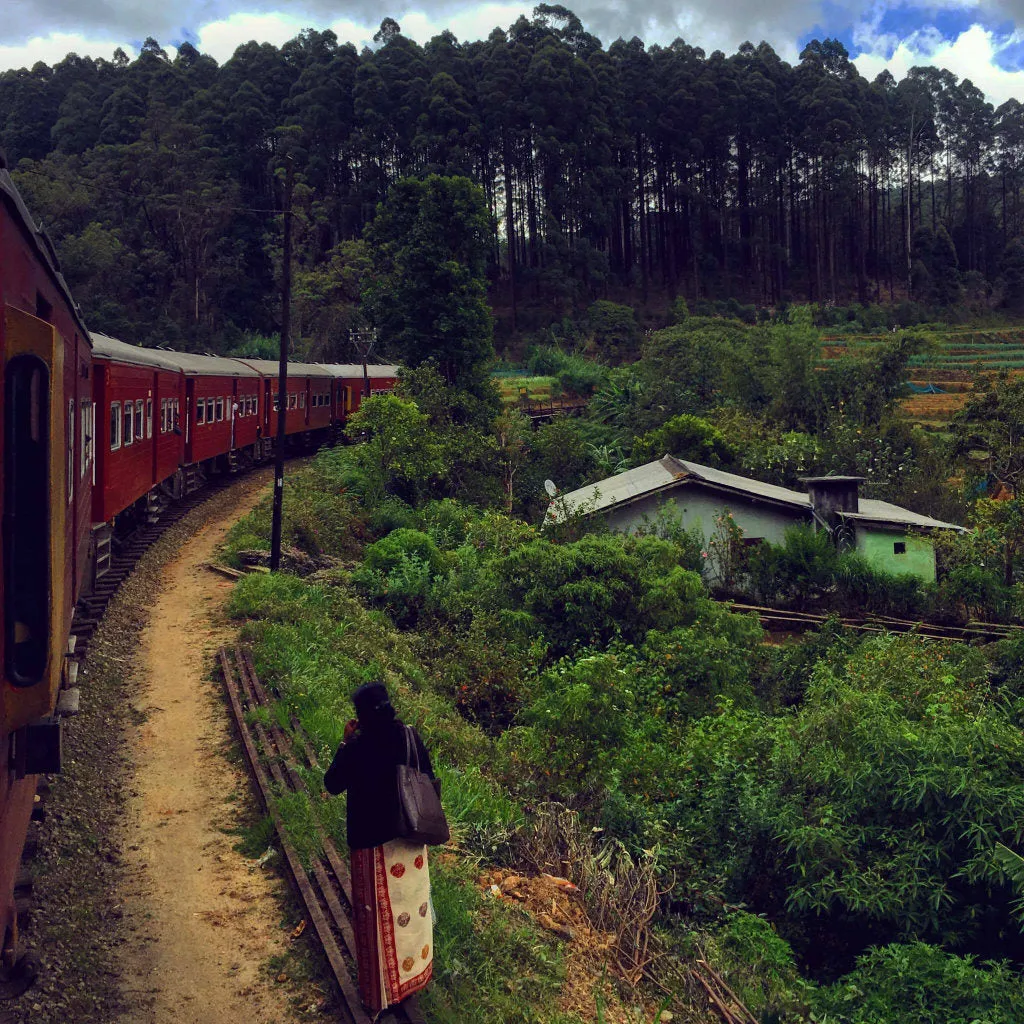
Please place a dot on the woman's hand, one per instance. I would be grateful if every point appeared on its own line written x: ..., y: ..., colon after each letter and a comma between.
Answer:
x: 351, y: 728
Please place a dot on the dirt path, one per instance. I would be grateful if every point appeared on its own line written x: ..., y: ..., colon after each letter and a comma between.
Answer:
x: 205, y: 919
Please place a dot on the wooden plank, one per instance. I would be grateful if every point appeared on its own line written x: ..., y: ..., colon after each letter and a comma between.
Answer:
x: 352, y: 1006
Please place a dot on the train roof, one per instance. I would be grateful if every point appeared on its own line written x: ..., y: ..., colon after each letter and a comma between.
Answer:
x: 373, y: 370
x: 191, y: 363
x: 269, y: 368
x: 105, y: 347
x: 40, y: 239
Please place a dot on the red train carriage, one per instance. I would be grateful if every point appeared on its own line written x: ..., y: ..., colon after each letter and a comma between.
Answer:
x: 350, y: 385
x: 46, y: 430
x: 216, y: 392
x: 138, y: 397
x: 307, y: 382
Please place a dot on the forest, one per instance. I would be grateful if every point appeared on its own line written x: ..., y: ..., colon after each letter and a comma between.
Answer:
x: 626, y: 172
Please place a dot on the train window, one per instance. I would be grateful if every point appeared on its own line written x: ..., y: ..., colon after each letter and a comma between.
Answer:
x: 140, y: 434
x: 84, y: 413
x: 291, y: 401
x: 200, y: 413
x: 165, y: 415
x: 115, y: 426
x: 149, y: 418
x: 129, y: 421
x: 277, y: 401
x: 26, y: 519
x: 71, y: 450
x: 209, y: 410
x: 302, y: 400
x: 220, y: 409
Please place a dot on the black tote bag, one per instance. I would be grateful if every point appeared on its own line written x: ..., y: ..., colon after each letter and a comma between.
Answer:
x: 421, y: 817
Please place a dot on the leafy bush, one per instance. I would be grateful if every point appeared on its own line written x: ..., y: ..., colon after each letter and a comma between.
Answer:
x: 576, y: 374
x: 872, y: 809
x: 685, y: 437
x: 921, y: 984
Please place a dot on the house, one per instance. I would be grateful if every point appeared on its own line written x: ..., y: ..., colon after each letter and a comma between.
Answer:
x: 891, y: 538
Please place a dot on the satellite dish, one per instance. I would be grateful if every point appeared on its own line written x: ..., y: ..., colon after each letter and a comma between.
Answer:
x: 549, y: 486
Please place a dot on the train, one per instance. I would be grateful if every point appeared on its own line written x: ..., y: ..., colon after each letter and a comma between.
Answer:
x: 99, y: 436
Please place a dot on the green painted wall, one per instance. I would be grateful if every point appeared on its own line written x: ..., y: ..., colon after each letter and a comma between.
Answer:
x: 877, y: 546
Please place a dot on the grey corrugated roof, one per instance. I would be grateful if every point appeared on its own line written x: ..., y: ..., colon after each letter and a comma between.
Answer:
x: 670, y: 472
x: 872, y: 510
x: 373, y: 370
x: 745, y: 485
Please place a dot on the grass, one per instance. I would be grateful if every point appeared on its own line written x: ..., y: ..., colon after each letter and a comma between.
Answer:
x: 316, y: 644
x: 539, y: 388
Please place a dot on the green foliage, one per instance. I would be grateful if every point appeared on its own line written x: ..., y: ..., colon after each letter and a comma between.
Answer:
x: 427, y: 293
x: 575, y: 373
x: 921, y: 984
x: 877, y: 802
x: 686, y: 437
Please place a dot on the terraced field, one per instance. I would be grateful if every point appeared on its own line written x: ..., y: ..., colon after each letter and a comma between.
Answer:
x: 946, y: 372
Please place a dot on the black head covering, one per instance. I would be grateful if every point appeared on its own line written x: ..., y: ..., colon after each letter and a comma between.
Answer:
x: 373, y: 706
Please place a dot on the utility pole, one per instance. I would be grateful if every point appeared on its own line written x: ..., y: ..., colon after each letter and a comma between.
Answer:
x: 364, y: 340
x: 282, y: 372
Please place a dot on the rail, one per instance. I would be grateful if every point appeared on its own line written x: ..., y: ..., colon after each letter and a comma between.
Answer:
x: 325, y: 889
x: 782, y: 620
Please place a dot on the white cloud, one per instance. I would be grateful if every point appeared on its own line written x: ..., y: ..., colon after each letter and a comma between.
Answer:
x: 221, y: 38
x: 973, y: 54
x: 54, y: 48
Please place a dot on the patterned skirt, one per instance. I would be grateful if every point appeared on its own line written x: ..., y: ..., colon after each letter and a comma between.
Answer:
x: 393, y: 922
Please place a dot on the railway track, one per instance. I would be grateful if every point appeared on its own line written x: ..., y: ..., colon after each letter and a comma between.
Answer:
x: 90, y: 608
x: 276, y: 761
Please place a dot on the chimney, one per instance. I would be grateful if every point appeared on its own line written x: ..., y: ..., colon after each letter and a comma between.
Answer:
x: 832, y: 494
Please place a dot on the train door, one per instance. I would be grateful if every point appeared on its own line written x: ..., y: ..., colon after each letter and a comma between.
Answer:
x: 190, y: 404
x: 35, y: 590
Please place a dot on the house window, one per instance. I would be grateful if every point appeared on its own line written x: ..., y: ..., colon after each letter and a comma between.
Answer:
x: 128, y: 420
x: 115, y: 426
x: 139, y: 432
x: 899, y: 547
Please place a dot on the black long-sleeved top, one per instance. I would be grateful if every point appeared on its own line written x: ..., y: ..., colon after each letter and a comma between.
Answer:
x: 365, y: 766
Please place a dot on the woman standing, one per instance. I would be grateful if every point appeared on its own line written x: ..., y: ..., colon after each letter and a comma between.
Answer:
x: 390, y: 876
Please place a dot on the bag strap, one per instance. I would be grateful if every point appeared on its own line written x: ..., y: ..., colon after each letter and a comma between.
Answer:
x: 410, y: 747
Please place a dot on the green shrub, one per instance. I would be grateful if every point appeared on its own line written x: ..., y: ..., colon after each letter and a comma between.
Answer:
x: 921, y: 984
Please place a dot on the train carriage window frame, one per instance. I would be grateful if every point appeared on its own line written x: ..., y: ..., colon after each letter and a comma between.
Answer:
x: 210, y: 406
x: 149, y: 418
x: 70, y: 452
x: 220, y: 410
x: 115, y: 426
x: 302, y: 400
x: 127, y: 424
x: 84, y: 437
x: 200, y: 413
x: 140, y: 423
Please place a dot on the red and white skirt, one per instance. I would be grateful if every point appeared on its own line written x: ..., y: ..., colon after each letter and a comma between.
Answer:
x: 393, y: 924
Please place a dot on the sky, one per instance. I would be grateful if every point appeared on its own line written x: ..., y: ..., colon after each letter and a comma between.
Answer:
x: 982, y: 40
